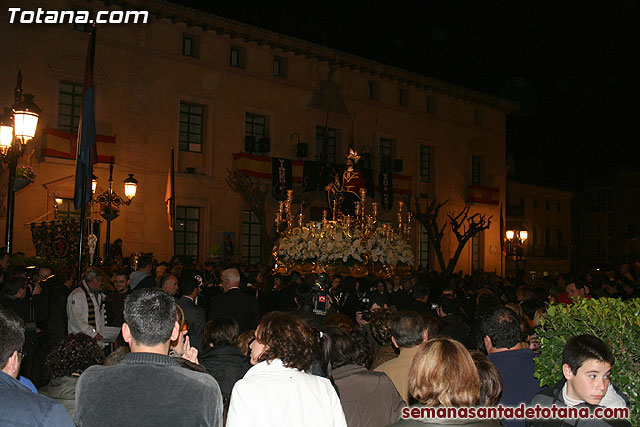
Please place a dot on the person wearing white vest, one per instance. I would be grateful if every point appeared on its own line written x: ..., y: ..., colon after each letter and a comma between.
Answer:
x: 85, y: 305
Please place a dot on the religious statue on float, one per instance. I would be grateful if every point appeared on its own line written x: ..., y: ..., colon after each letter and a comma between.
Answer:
x: 345, y: 190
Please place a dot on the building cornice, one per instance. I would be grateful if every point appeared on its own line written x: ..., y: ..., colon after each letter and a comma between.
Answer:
x: 176, y: 13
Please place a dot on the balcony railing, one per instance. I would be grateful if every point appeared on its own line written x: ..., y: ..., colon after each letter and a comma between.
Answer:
x: 483, y: 195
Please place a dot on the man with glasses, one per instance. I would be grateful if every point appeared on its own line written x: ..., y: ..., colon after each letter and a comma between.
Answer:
x: 21, y: 406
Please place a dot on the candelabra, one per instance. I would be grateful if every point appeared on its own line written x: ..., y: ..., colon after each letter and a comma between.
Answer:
x: 367, y: 224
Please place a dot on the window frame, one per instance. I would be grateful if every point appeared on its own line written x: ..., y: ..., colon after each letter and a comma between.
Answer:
x: 386, y: 151
x: 476, y: 170
x: 249, y: 219
x: 186, y: 144
x: 332, y: 143
x: 195, y: 45
x: 239, y: 60
x: 423, y: 247
x: 282, y: 67
x: 425, y: 169
x: 181, y: 235
x: 74, y: 107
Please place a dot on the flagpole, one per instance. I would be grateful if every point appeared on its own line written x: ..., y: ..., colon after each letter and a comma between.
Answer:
x: 82, y: 214
x: 173, y: 199
x: 86, y: 155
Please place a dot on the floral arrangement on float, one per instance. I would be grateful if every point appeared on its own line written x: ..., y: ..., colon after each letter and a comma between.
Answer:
x: 347, y: 245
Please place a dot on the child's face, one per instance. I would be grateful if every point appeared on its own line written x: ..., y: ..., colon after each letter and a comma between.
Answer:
x: 590, y: 383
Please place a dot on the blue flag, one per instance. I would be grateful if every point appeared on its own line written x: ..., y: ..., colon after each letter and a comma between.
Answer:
x: 86, y: 154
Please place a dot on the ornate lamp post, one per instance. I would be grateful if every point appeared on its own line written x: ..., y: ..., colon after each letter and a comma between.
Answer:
x: 516, y: 239
x: 110, y: 202
x: 17, y: 127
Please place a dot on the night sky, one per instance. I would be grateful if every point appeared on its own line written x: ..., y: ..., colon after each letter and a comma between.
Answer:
x: 573, y: 66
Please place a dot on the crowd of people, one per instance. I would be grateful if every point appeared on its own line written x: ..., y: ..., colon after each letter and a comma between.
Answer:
x: 179, y: 343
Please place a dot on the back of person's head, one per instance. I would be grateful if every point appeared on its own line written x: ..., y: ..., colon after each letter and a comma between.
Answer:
x: 230, y: 277
x: 338, y: 348
x: 11, y: 335
x: 502, y: 326
x: 490, y: 379
x: 431, y: 324
x: 443, y: 374
x: 144, y: 261
x: 304, y: 295
x: 407, y: 329
x: 342, y: 321
x: 288, y: 338
x: 243, y: 341
x: 530, y: 306
x: 380, y: 322
x: 13, y: 285
x: 221, y: 331
x: 487, y: 302
x: 150, y: 314
x: 72, y: 355
x: 581, y: 348
x: 188, y: 282
x: 364, y: 350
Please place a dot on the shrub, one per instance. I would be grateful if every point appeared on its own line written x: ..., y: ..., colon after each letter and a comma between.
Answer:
x: 614, y: 321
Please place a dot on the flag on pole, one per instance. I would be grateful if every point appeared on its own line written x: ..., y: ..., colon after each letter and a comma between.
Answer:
x: 170, y: 195
x: 86, y: 154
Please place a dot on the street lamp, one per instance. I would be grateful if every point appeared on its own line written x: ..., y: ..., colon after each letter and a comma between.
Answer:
x: 110, y: 201
x: 516, y: 239
x: 18, y: 126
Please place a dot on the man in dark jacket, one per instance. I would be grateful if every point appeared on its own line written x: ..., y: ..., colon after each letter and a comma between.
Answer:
x: 148, y: 387
x: 194, y: 315
x: 586, y: 366
x: 501, y: 335
x: 234, y: 303
x: 21, y: 406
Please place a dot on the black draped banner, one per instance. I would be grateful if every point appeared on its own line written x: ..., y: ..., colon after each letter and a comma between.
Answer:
x: 282, y: 177
x: 386, y: 190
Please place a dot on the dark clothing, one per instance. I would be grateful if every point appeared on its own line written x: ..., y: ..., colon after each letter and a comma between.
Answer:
x: 147, y: 282
x: 147, y: 389
x: 114, y: 306
x: 518, y: 383
x: 226, y: 364
x: 241, y: 307
x: 307, y: 315
x: 401, y: 299
x: 22, y: 407
x: 368, y: 398
x: 56, y: 324
x: 31, y: 311
x: 553, y: 396
x: 195, y: 318
x: 452, y: 326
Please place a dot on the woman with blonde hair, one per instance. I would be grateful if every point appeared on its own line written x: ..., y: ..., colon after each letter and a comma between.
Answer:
x: 443, y: 375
